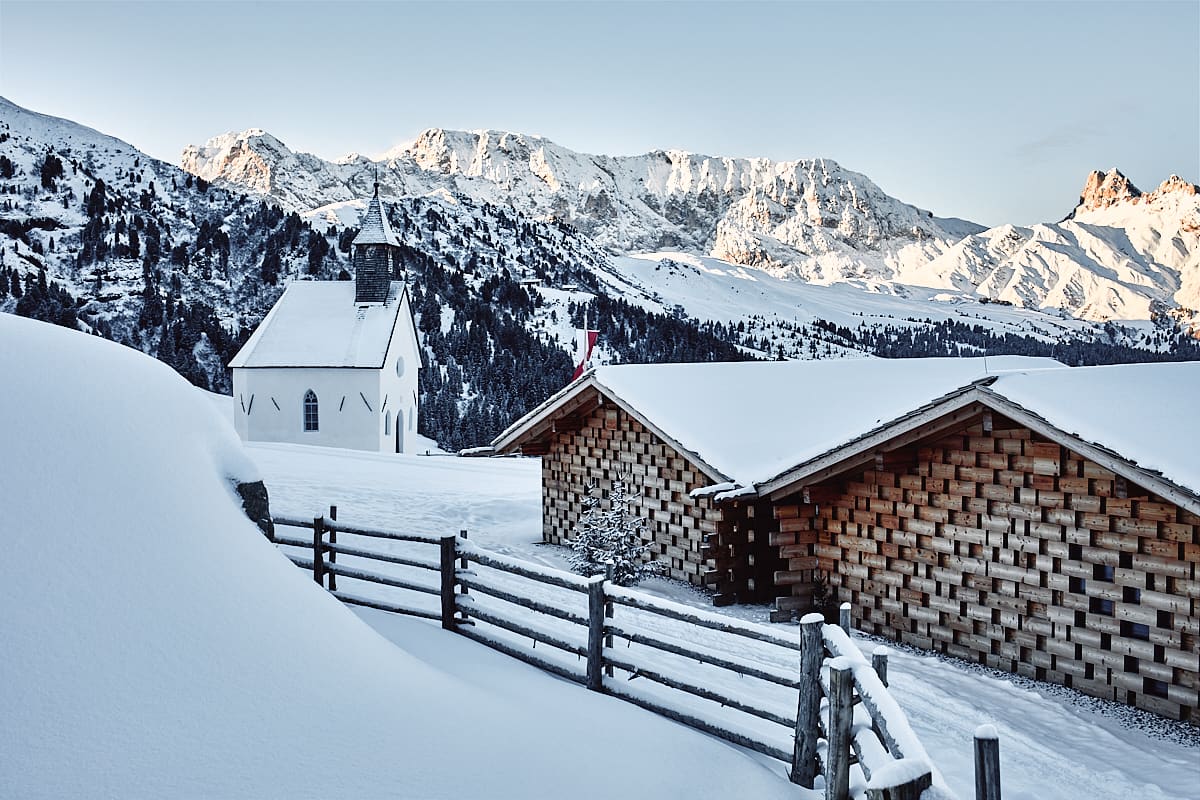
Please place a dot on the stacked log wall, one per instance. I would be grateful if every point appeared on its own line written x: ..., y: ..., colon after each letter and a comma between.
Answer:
x: 610, y: 441
x: 1003, y: 548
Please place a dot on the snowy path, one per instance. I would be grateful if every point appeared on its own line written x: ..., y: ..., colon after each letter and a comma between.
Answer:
x: 1054, y: 746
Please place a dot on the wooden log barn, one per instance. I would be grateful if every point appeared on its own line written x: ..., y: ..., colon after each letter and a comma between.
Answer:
x: 1008, y: 511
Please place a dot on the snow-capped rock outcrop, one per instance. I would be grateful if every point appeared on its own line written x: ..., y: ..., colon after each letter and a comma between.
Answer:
x: 1118, y: 255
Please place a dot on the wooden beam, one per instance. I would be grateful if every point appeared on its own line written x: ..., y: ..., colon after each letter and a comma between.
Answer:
x: 580, y: 405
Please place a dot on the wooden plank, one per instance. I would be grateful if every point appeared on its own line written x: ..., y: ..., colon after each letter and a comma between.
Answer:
x: 697, y: 690
x: 358, y: 600
x: 750, y: 743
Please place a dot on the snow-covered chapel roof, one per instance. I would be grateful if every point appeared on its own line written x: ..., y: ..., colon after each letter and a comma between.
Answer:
x: 318, y: 324
x: 747, y: 422
x: 375, y: 228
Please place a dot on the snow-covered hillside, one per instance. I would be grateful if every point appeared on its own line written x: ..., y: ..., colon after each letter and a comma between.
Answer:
x: 147, y: 254
x: 157, y: 645
x: 809, y: 220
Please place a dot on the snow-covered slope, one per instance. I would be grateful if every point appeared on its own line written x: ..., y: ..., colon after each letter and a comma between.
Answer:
x: 142, y: 249
x: 156, y: 645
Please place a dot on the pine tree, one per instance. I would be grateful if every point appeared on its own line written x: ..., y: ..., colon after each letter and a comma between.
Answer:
x: 612, y: 536
x: 52, y: 168
x: 97, y: 199
x: 823, y: 599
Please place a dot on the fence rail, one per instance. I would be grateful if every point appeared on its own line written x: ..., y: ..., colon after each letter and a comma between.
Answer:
x: 845, y: 714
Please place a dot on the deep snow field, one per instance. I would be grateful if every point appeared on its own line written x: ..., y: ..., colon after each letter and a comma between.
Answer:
x: 156, y: 645
x: 1055, y: 744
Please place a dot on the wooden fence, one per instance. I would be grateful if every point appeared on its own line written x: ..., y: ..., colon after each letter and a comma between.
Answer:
x: 844, y: 714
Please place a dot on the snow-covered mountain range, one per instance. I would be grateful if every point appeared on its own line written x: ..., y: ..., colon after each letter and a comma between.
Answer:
x: 1118, y: 255
x: 508, y: 239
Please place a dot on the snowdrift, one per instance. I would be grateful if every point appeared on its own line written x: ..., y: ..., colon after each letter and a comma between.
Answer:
x: 156, y: 645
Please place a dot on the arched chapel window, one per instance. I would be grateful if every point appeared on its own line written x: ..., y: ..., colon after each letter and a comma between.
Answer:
x: 310, y: 411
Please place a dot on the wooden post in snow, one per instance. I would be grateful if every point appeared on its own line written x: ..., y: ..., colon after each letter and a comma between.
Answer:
x: 844, y: 617
x: 319, y: 551
x: 808, y: 711
x: 902, y: 779
x: 595, y: 658
x: 987, y: 763
x: 333, y: 553
x: 464, y: 564
x: 879, y: 658
x: 841, y: 714
x: 879, y: 662
x: 447, y: 565
x: 608, y: 614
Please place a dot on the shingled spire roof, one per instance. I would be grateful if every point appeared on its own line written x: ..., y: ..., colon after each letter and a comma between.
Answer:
x: 375, y: 226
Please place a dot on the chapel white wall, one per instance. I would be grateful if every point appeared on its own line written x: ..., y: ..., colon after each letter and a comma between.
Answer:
x: 344, y: 418
x: 400, y: 391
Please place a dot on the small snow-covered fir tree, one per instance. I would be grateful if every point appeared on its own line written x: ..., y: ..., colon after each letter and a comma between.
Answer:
x: 612, y: 536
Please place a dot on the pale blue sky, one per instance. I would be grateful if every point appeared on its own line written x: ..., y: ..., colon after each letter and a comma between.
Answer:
x: 990, y: 111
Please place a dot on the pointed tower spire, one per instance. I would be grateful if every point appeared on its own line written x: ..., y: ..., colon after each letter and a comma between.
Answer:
x: 376, y: 250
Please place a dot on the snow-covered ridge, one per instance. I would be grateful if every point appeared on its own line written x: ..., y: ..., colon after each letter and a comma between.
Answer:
x: 803, y: 215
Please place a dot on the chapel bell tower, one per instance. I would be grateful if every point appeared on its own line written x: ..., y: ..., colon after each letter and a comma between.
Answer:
x: 376, y: 250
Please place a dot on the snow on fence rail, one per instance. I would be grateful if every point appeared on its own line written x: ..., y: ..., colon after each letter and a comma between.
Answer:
x: 723, y: 676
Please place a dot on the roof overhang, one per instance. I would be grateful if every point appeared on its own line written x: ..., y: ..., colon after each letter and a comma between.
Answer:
x: 566, y: 409
x: 955, y: 411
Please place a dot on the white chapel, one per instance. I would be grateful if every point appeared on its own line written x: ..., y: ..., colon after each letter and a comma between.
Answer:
x: 335, y: 363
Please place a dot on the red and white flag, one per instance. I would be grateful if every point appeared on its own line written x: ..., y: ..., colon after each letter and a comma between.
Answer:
x: 585, y: 341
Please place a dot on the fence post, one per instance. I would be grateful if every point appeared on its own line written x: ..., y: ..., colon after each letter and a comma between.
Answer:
x: 447, y: 589
x: 333, y: 553
x: 841, y: 714
x: 879, y: 661
x: 808, y: 711
x: 844, y: 617
x: 987, y: 763
x: 595, y: 662
x: 319, y: 551
x: 608, y: 614
x: 903, y: 779
x: 464, y: 564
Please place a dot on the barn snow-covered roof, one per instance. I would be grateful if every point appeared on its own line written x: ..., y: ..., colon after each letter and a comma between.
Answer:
x: 318, y: 324
x: 1144, y: 413
x: 750, y: 421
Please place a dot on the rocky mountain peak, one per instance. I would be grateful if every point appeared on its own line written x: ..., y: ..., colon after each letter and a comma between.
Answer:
x: 1176, y: 185
x: 1104, y: 189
